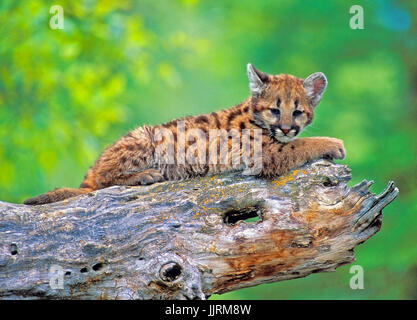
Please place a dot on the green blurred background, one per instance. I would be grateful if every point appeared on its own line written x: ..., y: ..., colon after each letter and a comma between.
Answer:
x: 67, y: 94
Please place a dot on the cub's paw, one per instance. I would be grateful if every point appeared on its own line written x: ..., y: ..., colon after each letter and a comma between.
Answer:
x: 149, y: 176
x: 334, y: 149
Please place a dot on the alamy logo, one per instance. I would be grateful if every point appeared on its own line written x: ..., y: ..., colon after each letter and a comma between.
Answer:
x: 56, y: 277
x: 193, y: 147
x: 356, y: 281
x: 357, y: 20
x: 57, y: 20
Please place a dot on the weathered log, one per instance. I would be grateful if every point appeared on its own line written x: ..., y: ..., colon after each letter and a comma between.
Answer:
x: 188, y: 239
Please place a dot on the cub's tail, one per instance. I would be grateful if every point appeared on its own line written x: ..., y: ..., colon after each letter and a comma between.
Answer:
x: 56, y: 195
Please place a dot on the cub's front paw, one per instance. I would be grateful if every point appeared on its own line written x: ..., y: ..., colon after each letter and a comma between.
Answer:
x: 149, y: 176
x: 334, y: 149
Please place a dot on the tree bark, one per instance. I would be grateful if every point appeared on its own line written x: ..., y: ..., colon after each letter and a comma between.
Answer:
x: 187, y: 239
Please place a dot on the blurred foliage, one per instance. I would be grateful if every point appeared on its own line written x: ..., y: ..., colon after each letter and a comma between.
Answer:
x: 66, y: 94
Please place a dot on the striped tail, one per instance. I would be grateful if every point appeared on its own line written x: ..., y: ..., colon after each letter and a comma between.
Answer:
x: 56, y: 195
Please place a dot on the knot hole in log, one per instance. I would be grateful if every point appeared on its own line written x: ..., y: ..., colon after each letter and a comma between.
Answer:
x: 244, y: 211
x: 170, y: 272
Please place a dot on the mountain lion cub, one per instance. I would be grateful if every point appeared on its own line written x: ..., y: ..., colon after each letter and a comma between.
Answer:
x: 279, y: 107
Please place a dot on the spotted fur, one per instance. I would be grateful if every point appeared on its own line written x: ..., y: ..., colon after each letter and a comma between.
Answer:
x: 279, y: 107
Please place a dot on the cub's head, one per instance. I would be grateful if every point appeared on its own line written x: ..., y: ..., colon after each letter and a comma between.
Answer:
x: 284, y: 104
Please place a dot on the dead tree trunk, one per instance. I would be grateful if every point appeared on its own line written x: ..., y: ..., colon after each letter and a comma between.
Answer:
x: 189, y: 239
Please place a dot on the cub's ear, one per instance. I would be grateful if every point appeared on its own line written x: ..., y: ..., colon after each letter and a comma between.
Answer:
x: 314, y: 85
x: 257, y: 80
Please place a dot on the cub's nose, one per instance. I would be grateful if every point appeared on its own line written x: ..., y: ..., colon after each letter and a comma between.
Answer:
x: 285, y: 131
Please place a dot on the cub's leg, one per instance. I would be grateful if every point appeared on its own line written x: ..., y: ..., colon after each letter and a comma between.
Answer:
x: 278, y: 159
x: 129, y: 161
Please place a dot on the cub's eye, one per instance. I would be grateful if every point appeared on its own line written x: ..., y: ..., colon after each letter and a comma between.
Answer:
x: 275, y: 111
x: 278, y: 102
x: 297, y: 113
